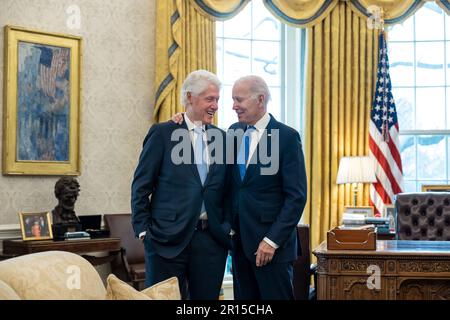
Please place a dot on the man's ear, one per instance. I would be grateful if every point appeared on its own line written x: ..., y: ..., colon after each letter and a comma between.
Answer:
x: 261, y: 99
x: 189, y: 97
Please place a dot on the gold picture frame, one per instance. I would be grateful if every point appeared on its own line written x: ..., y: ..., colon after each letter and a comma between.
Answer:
x: 436, y: 188
x: 35, y: 225
x: 42, y: 108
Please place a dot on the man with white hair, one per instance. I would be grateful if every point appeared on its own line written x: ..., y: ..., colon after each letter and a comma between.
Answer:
x: 266, y: 205
x: 184, y: 226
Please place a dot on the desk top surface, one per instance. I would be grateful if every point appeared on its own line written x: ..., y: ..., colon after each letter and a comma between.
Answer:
x: 18, y: 246
x: 393, y: 247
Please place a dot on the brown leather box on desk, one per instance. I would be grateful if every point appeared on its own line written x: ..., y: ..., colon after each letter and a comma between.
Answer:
x: 345, y: 239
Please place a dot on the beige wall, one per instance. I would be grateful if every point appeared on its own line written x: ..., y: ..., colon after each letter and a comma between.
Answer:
x: 117, y: 80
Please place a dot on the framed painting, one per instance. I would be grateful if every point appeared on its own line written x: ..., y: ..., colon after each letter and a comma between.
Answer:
x: 41, y: 128
x: 436, y: 188
x: 35, y: 225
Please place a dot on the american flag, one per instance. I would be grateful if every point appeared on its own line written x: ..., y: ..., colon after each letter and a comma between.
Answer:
x: 383, y: 137
x: 52, y: 63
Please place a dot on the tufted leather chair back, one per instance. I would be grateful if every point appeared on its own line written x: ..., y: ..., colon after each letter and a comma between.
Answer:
x: 423, y: 216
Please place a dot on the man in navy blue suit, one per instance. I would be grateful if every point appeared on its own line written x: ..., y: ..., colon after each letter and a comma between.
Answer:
x: 184, y: 226
x: 268, y: 195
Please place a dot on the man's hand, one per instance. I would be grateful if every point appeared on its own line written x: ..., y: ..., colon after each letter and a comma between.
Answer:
x: 178, y: 118
x: 264, y: 254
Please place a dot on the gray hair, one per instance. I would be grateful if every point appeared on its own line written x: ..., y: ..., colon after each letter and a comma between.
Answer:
x: 257, y: 87
x: 196, y: 82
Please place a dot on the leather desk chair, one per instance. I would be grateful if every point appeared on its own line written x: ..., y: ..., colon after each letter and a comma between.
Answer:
x: 303, y: 270
x: 423, y: 216
x: 131, y: 268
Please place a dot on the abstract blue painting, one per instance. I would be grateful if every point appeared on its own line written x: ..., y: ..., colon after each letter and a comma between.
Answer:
x: 43, y: 103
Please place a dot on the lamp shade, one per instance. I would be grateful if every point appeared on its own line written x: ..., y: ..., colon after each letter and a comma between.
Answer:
x: 356, y: 170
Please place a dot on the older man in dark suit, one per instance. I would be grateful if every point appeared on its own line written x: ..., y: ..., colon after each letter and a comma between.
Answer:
x: 268, y: 196
x: 184, y: 225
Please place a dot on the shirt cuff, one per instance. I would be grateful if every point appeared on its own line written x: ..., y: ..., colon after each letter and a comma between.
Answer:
x: 142, y: 234
x: 271, y: 243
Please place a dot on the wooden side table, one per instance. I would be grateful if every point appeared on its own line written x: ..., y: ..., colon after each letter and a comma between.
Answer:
x: 13, y: 248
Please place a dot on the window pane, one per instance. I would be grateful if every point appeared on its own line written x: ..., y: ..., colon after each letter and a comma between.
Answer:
x: 408, y: 154
x: 447, y: 26
x: 219, y: 29
x: 240, y: 25
x: 409, y: 186
x: 236, y: 60
x: 430, y: 108
x: 266, y: 58
x: 219, y: 57
x: 401, y: 62
x: 227, y: 116
x: 430, y: 64
x: 402, y: 31
x: 447, y: 106
x: 447, y: 62
x: 404, y: 102
x: 430, y: 17
x: 274, y: 106
x: 265, y: 25
x: 430, y: 159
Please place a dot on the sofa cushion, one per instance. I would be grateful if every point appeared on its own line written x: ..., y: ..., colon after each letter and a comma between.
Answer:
x: 164, y: 290
x: 55, y: 275
x: 117, y: 289
x: 7, y: 293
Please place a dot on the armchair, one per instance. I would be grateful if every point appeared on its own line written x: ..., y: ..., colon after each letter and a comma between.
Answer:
x: 303, y: 269
x: 423, y: 216
x: 131, y: 267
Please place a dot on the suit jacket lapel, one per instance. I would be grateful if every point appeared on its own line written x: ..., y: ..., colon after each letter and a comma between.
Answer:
x: 212, y: 155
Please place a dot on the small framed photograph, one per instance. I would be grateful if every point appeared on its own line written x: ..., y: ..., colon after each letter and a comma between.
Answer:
x: 367, y: 211
x: 436, y: 188
x: 389, y: 212
x: 35, y: 225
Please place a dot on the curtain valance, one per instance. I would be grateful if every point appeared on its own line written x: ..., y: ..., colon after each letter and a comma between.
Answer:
x: 219, y: 9
x: 307, y: 13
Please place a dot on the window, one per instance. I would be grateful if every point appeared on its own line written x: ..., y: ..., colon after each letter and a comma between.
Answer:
x: 419, y: 55
x: 255, y: 42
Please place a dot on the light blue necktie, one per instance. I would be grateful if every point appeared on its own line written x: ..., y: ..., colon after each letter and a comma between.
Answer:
x: 200, y: 154
x: 244, y: 151
x: 200, y: 159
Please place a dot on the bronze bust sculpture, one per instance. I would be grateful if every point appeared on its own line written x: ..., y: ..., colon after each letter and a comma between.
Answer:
x: 67, y: 190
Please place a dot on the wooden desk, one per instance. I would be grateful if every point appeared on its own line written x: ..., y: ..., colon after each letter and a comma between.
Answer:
x: 14, y: 248
x: 408, y: 270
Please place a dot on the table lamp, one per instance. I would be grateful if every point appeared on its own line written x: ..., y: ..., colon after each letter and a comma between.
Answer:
x: 356, y: 170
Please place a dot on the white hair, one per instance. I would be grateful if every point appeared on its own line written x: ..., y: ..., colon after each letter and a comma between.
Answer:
x: 196, y: 82
x: 257, y: 87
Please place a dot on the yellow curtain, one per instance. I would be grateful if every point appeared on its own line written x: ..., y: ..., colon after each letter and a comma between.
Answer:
x: 340, y: 83
x: 185, y: 41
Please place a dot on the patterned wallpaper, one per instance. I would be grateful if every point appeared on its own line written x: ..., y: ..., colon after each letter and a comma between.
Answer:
x: 117, y: 80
